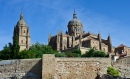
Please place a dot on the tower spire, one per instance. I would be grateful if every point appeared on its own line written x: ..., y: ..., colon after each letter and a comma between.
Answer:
x: 21, y: 15
x: 74, y: 15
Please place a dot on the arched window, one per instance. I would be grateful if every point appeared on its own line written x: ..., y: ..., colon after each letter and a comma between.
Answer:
x: 21, y: 41
x: 24, y: 31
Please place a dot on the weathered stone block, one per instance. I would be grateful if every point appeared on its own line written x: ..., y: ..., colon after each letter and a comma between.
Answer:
x: 48, y: 66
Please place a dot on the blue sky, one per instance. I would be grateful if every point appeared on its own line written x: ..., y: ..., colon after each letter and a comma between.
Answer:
x: 48, y: 16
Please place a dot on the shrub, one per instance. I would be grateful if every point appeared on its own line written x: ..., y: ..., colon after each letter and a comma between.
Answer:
x: 94, y: 53
x: 112, y: 71
x: 24, y: 54
x: 76, y: 51
x: 61, y: 54
x: 73, y: 53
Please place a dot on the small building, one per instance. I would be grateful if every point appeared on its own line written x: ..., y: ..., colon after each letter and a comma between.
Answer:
x: 122, y: 50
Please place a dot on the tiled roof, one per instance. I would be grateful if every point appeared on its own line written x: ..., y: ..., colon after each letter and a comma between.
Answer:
x: 122, y: 45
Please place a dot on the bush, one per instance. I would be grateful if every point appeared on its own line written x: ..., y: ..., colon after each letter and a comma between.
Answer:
x: 101, y: 54
x: 24, y: 54
x: 74, y: 53
x: 60, y: 54
x: 94, y: 53
x: 40, y: 49
x: 70, y: 54
x: 112, y: 71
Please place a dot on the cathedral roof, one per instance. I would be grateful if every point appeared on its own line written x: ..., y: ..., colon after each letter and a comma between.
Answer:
x: 75, y: 20
x: 21, y: 21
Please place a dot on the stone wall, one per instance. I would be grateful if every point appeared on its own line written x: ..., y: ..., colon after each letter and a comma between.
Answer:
x: 123, y: 65
x: 21, y: 69
x: 124, y: 69
x: 73, y: 68
x: 51, y: 67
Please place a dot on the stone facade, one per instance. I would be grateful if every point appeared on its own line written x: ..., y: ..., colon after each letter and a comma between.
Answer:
x: 21, y: 30
x: 76, y: 37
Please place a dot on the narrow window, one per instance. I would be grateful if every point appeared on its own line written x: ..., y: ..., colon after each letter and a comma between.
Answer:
x: 24, y: 31
x: 21, y: 41
x: 26, y: 42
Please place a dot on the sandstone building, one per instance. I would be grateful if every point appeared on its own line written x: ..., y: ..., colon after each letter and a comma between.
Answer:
x: 21, y: 30
x: 76, y: 37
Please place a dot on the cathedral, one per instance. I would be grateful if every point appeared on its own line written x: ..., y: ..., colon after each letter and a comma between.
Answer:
x: 21, y: 30
x: 75, y: 38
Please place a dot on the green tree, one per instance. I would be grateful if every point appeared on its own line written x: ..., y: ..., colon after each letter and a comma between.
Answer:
x: 101, y: 54
x: 10, y: 51
x: 6, y: 52
x: 40, y: 49
x: 112, y: 71
x: 26, y: 54
x: 74, y: 53
x: 94, y: 53
x: 59, y: 54
x: 16, y: 47
x: 70, y: 54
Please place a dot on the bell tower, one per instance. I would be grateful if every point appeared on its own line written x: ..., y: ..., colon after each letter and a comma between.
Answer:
x: 21, y: 30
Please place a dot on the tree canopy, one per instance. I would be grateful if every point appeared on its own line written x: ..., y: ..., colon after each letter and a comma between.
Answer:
x: 94, y: 53
x: 6, y: 53
x: 11, y: 51
x: 74, y: 53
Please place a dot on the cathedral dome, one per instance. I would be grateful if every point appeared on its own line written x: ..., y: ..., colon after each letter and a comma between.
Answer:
x: 75, y: 26
x: 75, y: 21
x: 21, y: 21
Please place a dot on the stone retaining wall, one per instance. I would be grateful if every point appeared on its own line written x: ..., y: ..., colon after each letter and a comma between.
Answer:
x: 73, y: 68
x: 123, y: 65
x: 124, y: 69
x: 21, y: 69
x: 51, y: 67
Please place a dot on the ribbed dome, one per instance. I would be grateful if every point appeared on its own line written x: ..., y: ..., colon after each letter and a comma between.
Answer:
x: 75, y: 20
x: 75, y: 26
x: 21, y: 21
